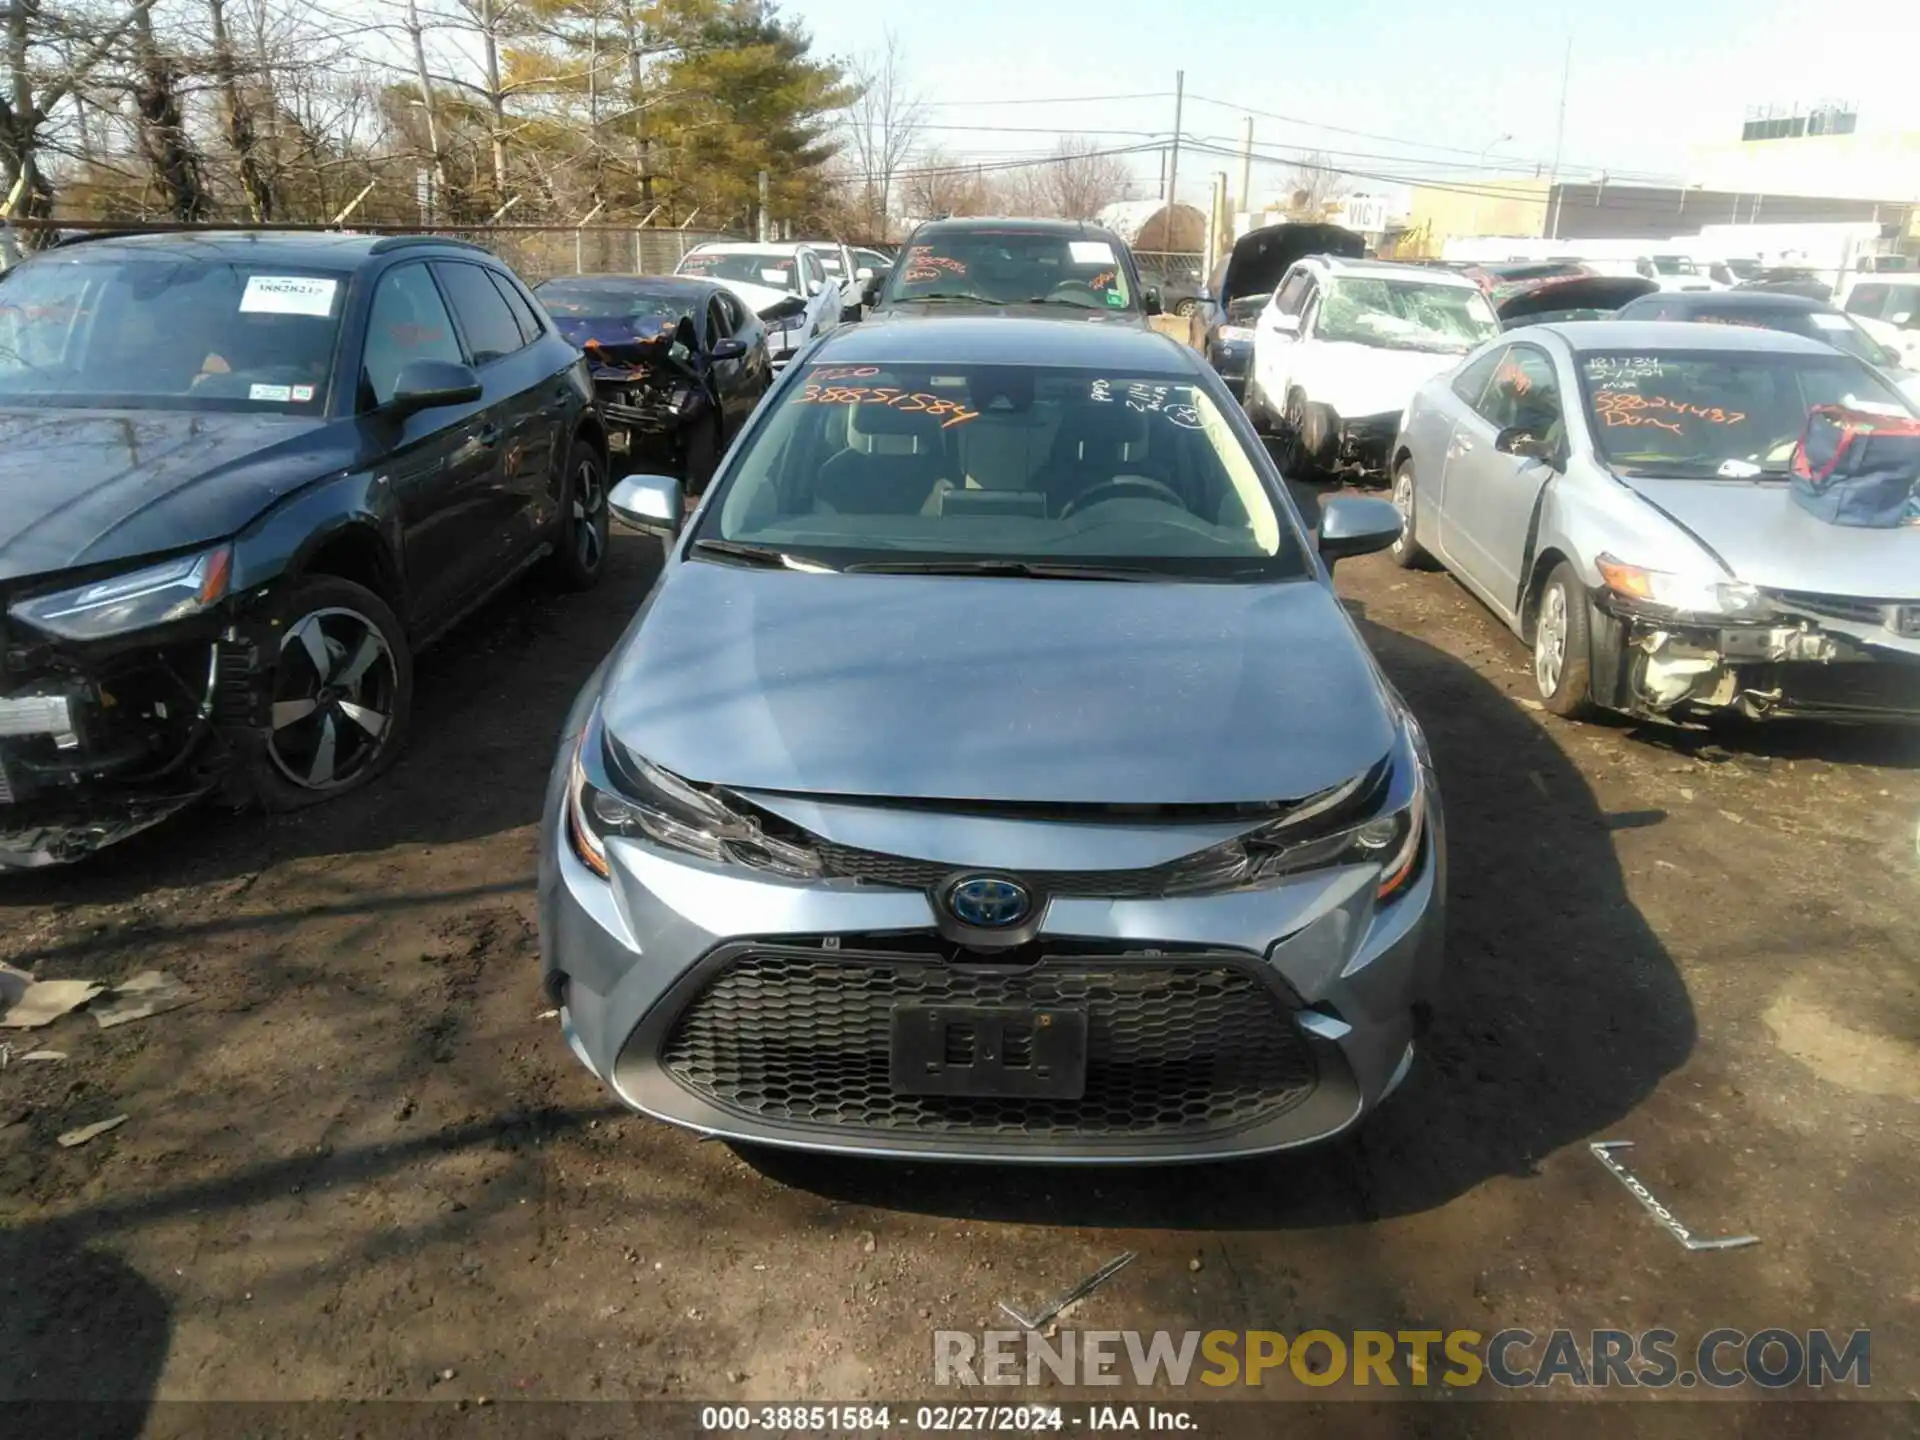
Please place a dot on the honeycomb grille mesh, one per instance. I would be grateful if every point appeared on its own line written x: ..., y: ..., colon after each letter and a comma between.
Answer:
x: 1173, y: 1048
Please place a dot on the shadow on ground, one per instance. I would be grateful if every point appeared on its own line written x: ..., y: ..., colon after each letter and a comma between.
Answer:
x: 1562, y: 1011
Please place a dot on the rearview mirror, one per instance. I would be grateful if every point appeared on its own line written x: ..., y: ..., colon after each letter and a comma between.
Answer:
x: 649, y: 503
x: 429, y: 384
x: 1356, y: 525
x: 728, y: 349
x: 1520, y: 441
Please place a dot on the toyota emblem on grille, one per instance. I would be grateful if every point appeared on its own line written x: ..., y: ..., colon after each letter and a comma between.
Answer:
x: 989, y: 902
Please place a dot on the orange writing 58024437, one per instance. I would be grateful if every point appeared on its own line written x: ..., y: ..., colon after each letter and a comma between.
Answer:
x: 1625, y: 407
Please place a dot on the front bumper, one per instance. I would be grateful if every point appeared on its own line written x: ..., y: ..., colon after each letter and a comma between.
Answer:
x: 1814, y: 658
x: 754, y: 1009
x: 1366, y: 441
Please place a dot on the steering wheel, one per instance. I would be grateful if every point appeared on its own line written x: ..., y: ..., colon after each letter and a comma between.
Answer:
x: 1147, y: 487
x: 1075, y: 287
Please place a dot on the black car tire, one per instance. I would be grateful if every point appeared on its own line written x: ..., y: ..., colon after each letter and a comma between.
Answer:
x: 1562, y: 606
x: 1407, y: 552
x: 703, y: 455
x: 1186, y: 308
x: 1304, y: 433
x: 279, y: 767
x: 580, y: 543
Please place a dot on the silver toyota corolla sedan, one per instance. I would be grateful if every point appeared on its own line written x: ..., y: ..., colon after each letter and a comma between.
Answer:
x: 1618, y: 493
x: 993, y: 774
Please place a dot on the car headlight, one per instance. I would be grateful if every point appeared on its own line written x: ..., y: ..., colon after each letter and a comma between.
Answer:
x: 1682, y: 594
x: 648, y: 803
x: 136, y: 600
x: 1390, y: 837
x: 787, y: 324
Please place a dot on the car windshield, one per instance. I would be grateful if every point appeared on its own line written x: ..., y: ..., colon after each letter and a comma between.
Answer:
x: 914, y: 466
x: 1011, y: 267
x: 1829, y: 327
x: 1674, y: 265
x: 1406, y: 315
x: 601, y: 300
x: 168, y: 333
x: 776, y: 272
x: 1735, y: 414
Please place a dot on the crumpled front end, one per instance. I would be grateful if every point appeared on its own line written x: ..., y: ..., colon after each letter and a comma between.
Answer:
x: 101, y: 741
x: 1802, y: 656
x: 647, y: 387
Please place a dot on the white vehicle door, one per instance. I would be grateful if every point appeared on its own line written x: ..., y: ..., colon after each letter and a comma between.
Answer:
x: 1488, y: 493
x: 1277, y: 335
x: 823, y: 298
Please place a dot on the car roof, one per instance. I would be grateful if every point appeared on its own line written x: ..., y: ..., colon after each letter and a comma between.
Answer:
x: 1749, y: 300
x: 1008, y: 340
x: 783, y: 248
x: 314, y: 248
x: 1342, y: 265
x: 657, y: 284
x: 1658, y: 335
x: 1009, y: 225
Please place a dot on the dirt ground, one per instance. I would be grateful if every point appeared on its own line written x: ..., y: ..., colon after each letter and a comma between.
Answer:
x: 362, y: 1165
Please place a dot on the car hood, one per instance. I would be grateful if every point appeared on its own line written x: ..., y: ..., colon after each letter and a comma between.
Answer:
x: 85, y: 487
x: 1768, y: 540
x: 1359, y: 380
x: 996, y: 689
x: 1260, y: 257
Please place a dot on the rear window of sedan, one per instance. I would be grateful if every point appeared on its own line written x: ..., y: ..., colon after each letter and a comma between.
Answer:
x: 973, y: 461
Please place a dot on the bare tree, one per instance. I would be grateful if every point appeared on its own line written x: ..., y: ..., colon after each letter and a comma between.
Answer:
x: 1079, y: 180
x: 939, y: 184
x: 1310, y: 184
x: 883, y: 125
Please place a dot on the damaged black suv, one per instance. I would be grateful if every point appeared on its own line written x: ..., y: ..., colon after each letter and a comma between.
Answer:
x: 243, y: 477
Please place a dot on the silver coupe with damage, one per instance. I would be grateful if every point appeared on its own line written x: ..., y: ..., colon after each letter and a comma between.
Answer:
x: 1618, y: 493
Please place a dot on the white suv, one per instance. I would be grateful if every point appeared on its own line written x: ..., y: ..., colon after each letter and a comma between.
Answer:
x: 784, y: 283
x: 1340, y: 347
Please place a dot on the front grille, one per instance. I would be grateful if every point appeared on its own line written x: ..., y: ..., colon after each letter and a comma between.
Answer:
x: 1835, y: 607
x: 844, y: 862
x: 1175, y: 1047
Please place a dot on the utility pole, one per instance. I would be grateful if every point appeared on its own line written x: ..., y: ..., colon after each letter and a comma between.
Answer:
x: 1246, y: 169
x: 763, y: 232
x: 1173, y: 160
x: 1559, y: 139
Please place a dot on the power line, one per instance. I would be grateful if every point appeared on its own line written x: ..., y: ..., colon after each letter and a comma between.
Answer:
x: 1055, y: 100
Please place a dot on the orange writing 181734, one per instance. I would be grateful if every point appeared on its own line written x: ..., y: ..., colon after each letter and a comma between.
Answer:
x: 911, y: 401
x: 1620, y: 407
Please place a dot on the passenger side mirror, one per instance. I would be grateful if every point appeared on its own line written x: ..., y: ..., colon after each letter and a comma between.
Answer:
x: 1356, y: 525
x: 1150, y: 300
x: 728, y: 349
x: 429, y: 384
x: 650, y: 503
x: 1521, y: 442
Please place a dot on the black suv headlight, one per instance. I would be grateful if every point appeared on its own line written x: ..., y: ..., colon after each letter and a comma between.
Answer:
x: 626, y: 795
x: 133, y: 600
x: 1378, y: 818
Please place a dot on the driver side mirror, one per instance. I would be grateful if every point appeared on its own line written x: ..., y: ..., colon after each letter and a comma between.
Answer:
x: 1150, y: 300
x: 1356, y: 525
x: 863, y: 274
x: 728, y: 349
x: 648, y: 503
x: 814, y: 287
x: 429, y: 384
x: 1286, y: 324
x: 1520, y: 442
x: 870, y: 295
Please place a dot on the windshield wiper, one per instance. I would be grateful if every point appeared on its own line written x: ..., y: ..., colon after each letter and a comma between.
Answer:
x: 764, y: 557
x: 943, y: 295
x: 1020, y: 569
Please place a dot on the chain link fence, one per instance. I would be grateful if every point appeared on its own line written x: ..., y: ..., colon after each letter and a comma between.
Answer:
x: 1168, y: 266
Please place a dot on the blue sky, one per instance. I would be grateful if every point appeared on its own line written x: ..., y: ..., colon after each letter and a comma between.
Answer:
x: 1442, y: 82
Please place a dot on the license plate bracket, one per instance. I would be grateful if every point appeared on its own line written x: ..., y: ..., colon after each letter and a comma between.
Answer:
x: 1007, y: 1052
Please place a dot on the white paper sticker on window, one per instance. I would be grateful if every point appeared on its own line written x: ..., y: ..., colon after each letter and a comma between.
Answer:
x: 288, y: 295
x: 1090, y: 252
x: 280, y: 394
x: 1828, y: 322
x: 774, y: 277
